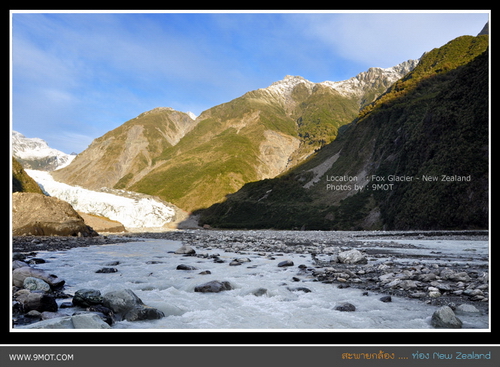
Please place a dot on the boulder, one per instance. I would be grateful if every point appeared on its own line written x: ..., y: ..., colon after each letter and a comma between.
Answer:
x: 87, y: 297
x: 35, y: 284
x: 40, y: 215
x: 345, y: 307
x: 466, y: 309
x: 89, y: 321
x: 285, y: 263
x: 37, y: 301
x: 352, y: 257
x: 444, y: 317
x: 213, y: 287
x: 185, y: 250
x: 80, y: 321
x: 19, y: 274
x: 128, y: 306
x: 185, y: 267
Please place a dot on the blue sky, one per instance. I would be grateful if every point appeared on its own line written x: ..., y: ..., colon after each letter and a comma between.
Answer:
x: 76, y: 76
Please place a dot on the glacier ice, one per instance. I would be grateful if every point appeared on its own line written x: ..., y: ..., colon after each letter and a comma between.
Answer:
x: 134, y: 211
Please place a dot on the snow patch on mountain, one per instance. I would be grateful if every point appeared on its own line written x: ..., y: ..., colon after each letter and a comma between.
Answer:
x: 36, y: 152
x: 133, y: 210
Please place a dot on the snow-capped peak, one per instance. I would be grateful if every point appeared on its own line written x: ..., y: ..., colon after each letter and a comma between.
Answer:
x: 30, y: 150
x: 287, y: 84
x: 192, y: 115
x: 356, y: 84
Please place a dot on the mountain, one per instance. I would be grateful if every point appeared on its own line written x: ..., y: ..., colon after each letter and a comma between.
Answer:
x: 259, y: 135
x: 34, y: 153
x: 415, y: 158
x: 123, y: 155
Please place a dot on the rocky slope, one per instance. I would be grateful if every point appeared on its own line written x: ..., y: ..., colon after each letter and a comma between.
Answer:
x: 416, y: 158
x: 127, y: 153
x: 40, y: 215
x: 259, y: 135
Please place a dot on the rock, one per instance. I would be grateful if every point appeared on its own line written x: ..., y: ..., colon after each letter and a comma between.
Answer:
x: 352, y: 257
x: 107, y: 270
x: 345, y: 307
x: 444, y: 317
x: 285, y: 263
x: 87, y: 297
x: 37, y: 301
x: 185, y: 250
x: 185, y: 267
x: 56, y: 323
x: 386, y: 299
x: 88, y: 321
x: 80, y: 321
x: 102, y: 224
x: 19, y: 274
x: 18, y: 264
x: 126, y: 305
x: 35, y: 284
x: 234, y: 263
x: 466, y: 309
x: 433, y: 292
x: 40, y: 215
x: 213, y: 286
x: 259, y: 292
x: 300, y: 289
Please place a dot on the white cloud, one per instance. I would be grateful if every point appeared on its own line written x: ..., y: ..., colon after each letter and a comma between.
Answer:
x: 385, y: 39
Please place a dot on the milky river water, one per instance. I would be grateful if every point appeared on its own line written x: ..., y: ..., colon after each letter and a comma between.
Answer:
x: 287, y: 298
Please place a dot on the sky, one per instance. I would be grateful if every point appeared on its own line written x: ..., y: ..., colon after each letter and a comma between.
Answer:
x: 76, y: 75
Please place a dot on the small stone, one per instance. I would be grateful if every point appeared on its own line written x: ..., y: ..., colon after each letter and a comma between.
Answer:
x: 185, y: 250
x: 345, y: 307
x: 185, y: 267
x: 107, y: 270
x: 386, y: 299
x: 213, y: 287
x: 285, y: 263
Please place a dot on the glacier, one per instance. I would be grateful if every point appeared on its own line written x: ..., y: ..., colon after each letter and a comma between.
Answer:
x: 133, y: 210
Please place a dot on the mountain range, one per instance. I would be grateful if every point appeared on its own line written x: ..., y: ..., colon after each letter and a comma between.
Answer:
x: 398, y: 148
x: 194, y: 163
x: 416, y: 158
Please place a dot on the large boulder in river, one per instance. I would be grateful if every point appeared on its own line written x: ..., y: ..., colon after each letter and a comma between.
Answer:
x: 20, y: 274
x: 444, y: 317
x: 128, y: 306
x: 40, y: 215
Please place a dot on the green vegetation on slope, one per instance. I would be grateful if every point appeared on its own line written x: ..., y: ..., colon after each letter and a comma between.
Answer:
x: 21, y: 181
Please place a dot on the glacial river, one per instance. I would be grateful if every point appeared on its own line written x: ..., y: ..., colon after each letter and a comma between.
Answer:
x: 287, y: 299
